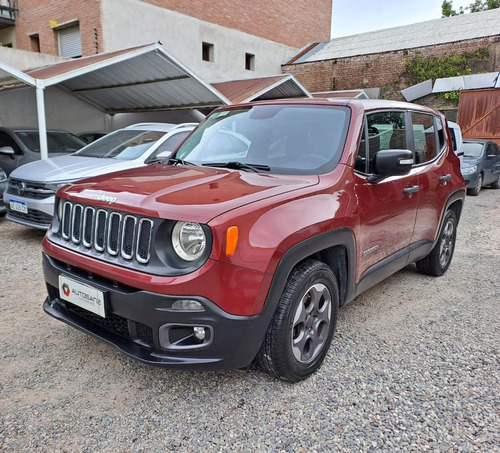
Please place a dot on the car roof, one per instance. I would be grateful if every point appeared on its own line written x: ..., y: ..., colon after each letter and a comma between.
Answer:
x: 356, y: 104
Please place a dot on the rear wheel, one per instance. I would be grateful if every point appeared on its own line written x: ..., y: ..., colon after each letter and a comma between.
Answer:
x: 438, y: 260
x: 477, y: 188
x: 301, y: 331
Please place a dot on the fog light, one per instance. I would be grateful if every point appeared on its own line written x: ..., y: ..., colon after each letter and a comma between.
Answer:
x: 199, y: 332
x: 187, y: 304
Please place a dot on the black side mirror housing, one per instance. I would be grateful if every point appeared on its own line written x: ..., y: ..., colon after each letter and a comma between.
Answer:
x: 391, y: 162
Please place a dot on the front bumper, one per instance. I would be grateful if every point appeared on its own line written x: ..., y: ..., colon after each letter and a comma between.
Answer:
x: 143, y: 324
x: 39, y: 214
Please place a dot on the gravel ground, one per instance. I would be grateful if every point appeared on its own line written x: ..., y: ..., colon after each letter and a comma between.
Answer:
x: 414, y: 366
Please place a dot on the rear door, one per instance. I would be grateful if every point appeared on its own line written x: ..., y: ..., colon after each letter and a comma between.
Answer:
x: 435, y: 171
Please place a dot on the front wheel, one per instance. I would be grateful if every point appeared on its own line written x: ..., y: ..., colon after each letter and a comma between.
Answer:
x: 301, y: 331
x: 477, y: 187
x: 438, y: 260
x: 496, y: 183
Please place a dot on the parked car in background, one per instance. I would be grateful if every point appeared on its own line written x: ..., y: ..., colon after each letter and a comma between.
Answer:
x: 3, y: 186
x: 457, y: 140
x: 31, y: 189
x: 90, y: 137
x: 270, y: 217
x: 481, y: 165
x: 19, y: 146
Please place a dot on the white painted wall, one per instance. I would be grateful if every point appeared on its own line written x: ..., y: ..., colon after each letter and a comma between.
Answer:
x: 62, y: 110
x: 67, y: 112
x: 127, y: 23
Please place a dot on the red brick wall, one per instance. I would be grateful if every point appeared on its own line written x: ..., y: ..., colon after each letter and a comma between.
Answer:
x: 381, y: 70
x: 34, y: 17
x: 291, y: 22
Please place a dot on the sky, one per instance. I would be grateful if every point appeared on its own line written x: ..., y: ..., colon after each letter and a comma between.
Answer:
x: 350, y: 17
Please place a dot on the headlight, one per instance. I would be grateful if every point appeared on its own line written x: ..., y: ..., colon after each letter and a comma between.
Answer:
x: 3, y: 176
x: 469, y: 170
x: 189, y: 240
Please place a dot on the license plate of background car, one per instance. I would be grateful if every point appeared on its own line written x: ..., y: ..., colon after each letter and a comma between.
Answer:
x: 19, y: 206
x: 86, y: 297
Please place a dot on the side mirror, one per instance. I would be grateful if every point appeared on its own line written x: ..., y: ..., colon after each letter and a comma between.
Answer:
x: 8, y: 150
x: 160, y: 157
x: 391, y: 162
x: 491, y: 156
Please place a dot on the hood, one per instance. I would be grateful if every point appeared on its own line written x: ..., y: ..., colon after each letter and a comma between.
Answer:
x: 68, y: 168
x: 469, y: 161
x: 182, y: 192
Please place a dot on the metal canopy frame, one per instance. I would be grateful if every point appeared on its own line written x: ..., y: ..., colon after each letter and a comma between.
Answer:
x: 144, y: 78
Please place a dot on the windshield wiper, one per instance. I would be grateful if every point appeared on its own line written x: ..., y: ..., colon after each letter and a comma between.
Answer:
x: 174, y: 160
x: 238, y: 166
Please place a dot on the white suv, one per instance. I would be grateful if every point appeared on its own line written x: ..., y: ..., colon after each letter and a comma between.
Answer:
x: 29, y: 197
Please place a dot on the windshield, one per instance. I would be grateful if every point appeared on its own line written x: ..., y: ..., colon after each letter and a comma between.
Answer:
x: 123, y: 144
x: 472, y: 149
x: 287, y: 139
x: 57, y: 142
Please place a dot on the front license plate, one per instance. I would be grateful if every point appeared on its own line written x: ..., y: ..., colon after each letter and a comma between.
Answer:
x: 84, y: 296
x: 19, y: 206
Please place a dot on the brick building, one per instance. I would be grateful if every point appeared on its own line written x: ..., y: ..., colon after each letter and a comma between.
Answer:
x: 377, y: 59
x: 218, y: 40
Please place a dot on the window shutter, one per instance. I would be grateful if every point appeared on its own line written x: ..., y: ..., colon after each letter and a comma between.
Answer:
x: 70, y: 44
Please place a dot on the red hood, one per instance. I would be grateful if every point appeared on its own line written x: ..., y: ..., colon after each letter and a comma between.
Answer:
x: 182, y: 192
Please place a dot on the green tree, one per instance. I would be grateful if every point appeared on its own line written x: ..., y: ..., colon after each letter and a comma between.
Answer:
x: 476, y: 6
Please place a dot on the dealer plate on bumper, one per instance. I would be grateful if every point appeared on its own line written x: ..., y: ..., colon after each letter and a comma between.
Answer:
x: 19, y: 206
x: 84, y: 296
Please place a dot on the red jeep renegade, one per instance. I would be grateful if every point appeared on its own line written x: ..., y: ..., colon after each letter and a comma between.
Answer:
x: 269, y: 217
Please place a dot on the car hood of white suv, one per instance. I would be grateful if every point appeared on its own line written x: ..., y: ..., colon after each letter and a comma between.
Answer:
x: 71, y: 168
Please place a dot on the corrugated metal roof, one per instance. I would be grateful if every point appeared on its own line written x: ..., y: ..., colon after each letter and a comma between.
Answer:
x: 135, y: 79
x: 429, y: 33
x: 278, y: 87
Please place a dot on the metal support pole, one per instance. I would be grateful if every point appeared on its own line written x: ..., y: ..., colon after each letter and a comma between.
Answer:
x: 42, y: 125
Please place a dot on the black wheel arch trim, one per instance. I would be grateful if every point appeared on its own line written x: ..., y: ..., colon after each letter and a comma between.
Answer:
x: 343, y: 237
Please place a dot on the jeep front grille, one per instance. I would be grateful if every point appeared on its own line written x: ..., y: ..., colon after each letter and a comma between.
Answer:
x: 107, y: 232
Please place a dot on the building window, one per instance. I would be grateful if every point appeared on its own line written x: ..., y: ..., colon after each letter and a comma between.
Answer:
x: 249, y: 62
x: 207, y: 51
x: 35, y: 42
x: 70, y: 44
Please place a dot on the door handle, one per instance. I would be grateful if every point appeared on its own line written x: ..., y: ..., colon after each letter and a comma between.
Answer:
x: 411, y: 190
x: 444, y: 179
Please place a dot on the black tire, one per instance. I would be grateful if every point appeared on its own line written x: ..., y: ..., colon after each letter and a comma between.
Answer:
x: 301, y: 331
x: 436, y: 263
x: 496, y: 184
x: 477, y: 188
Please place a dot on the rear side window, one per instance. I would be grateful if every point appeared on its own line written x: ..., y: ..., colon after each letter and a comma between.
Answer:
x: 424, y: 136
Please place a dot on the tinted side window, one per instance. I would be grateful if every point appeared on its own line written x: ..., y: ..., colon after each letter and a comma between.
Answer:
x: 424, y: 137
x: 492, y: 150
